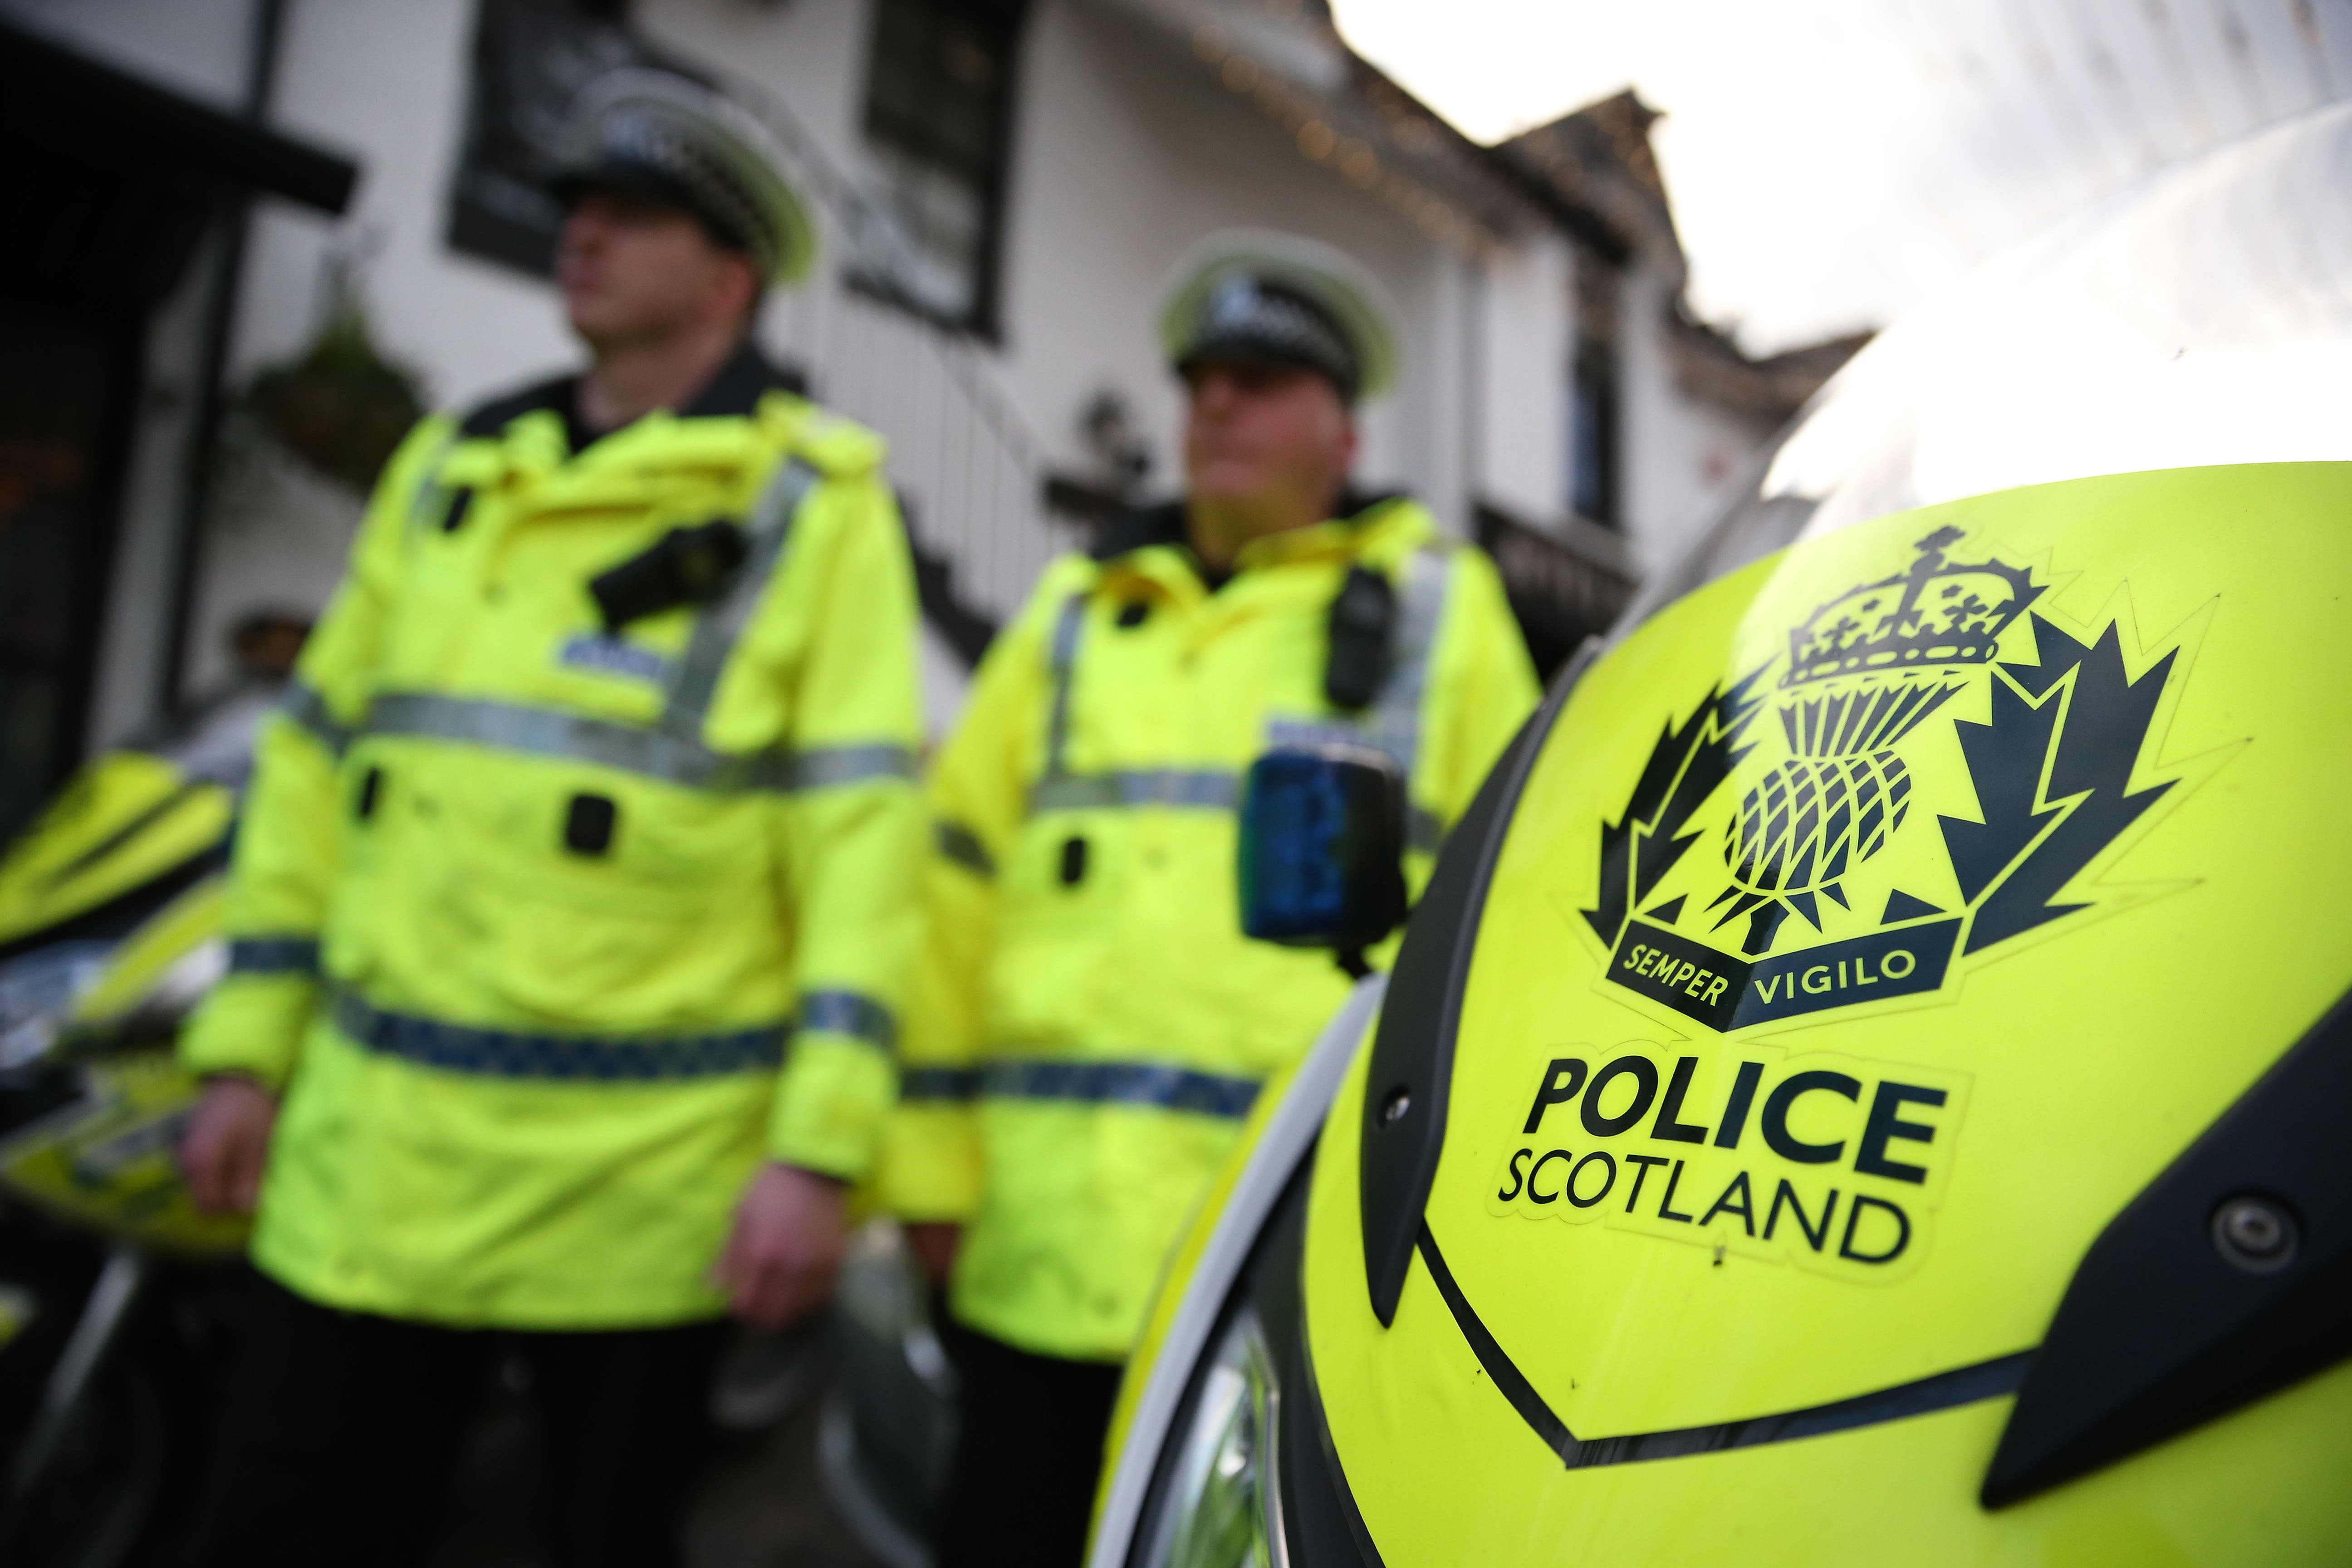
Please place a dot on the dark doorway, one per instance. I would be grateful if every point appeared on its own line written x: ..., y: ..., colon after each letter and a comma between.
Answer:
x: 63, y: 386
x: 131, y: 178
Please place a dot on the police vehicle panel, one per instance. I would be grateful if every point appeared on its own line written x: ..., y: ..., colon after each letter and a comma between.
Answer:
x: 1863, y: 1084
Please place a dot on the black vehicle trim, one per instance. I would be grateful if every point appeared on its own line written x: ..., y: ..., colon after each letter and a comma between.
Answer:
x: 1303, y: 1400
x: 121, y: 914
x: 1322, y: 1527
x: 2159, y: 1330
x: 1922, y: 1396
x: 1411, y: 1068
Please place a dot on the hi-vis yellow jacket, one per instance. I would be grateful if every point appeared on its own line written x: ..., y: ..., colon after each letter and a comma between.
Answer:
x: 1089, y: 1026
x: 552, y: 934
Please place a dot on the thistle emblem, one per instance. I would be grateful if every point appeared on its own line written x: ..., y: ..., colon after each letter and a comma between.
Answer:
x: 2047, y: 773
x: 1864, y: 670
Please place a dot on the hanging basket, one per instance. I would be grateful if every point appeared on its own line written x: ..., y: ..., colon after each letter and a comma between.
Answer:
x: 342, y: 407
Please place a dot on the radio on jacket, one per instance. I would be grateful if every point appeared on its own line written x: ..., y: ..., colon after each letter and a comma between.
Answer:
x: 1322, y: 847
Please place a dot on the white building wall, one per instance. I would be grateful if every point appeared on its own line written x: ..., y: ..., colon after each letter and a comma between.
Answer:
x: 383, y: 84
x: 1679, y: 456
x: 193, y: 46
x: 1521, y: 417
x: 1123, y: 154
x: 386, y: 84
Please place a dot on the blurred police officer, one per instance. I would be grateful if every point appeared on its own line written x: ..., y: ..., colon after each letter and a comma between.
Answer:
x: 594, y: 795
x: 1090, y: 1026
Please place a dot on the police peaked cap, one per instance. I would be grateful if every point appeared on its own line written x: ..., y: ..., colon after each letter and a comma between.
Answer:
x: 1259, y: 294
x: 657, y: 134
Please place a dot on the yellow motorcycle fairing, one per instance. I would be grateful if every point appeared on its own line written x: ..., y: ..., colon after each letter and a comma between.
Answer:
x: 1758, y: 1109
x: 125, y: 819
x: 110, y: 1160
x: 178, y: 949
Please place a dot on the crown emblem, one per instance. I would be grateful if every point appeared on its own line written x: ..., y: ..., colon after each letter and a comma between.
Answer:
x: 1934, y: 613
x: 1842, y: 791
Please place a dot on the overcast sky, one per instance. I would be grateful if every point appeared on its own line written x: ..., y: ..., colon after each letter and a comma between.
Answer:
x: 1833, y: 162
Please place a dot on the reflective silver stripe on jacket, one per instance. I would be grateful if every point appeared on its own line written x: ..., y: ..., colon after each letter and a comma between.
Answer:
x: 652, y: 753
x: 1391, y: 724
x: 1396, y: 711
x: 1207, y: 788
x: 1423, y: 830
x: 1065, y: 657
x: 429, y: 489
x: 672, y: 750
x: 822, y: 767
x: 720, y: 625
x: 1173, y: 786
x: 308, y: 709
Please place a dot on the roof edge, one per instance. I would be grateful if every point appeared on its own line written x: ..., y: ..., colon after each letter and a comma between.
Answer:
x: 43, y: 79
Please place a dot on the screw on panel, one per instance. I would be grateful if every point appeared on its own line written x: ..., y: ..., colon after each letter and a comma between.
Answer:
x: 1393, y: 1108
x: 2254, y: 1232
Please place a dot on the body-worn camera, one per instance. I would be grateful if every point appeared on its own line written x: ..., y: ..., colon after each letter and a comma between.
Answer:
x: 1322, y: 847
x: 684, y: 566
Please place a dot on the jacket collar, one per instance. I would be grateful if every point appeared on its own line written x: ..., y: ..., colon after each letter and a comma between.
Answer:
x: 1139, y: 527
x: 734, y: 392
x: 1142, y: 527
x: 746, y: 377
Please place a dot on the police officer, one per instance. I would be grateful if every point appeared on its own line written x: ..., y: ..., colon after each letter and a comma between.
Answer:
x: 571, y: 905
x: 1091, y: 1026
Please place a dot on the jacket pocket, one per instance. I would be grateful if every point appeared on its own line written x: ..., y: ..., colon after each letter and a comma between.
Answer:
x: 575, y: 900
x: 1064, y: 918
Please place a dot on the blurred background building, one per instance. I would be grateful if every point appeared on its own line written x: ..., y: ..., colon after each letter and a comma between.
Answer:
x: 198, y: 385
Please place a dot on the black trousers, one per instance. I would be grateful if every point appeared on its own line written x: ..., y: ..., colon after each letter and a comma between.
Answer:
x: 1022, y: 1488
x: 342, y: 1432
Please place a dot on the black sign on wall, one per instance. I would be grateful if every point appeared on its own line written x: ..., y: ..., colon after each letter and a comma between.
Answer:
x: 529, y: 58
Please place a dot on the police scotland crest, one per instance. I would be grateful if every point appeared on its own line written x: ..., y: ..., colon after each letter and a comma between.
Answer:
x: 1922, y: 773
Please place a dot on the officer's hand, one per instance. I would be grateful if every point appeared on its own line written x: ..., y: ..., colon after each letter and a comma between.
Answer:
x: 934, y: 1244
x: 228, y: 1143
x: 787, y: 1247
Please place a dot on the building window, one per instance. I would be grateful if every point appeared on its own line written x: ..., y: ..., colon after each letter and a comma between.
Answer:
x: 529, y: 58
x: 1594, y: 438
x: 939, y: 99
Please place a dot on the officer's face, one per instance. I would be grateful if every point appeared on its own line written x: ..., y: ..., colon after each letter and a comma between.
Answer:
x: 634, y: 272
x: 1266, y: 435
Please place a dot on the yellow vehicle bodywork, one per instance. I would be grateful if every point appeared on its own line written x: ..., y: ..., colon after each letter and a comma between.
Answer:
x: 145, y: 961
x: 2112, y: 888
x: 110, y: 1160
x: 128, y: 818
x: 106, y: 1160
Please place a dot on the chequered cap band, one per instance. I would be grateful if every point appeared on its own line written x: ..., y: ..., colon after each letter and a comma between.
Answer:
x: 1247, y: 317
x: 640, y: 141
